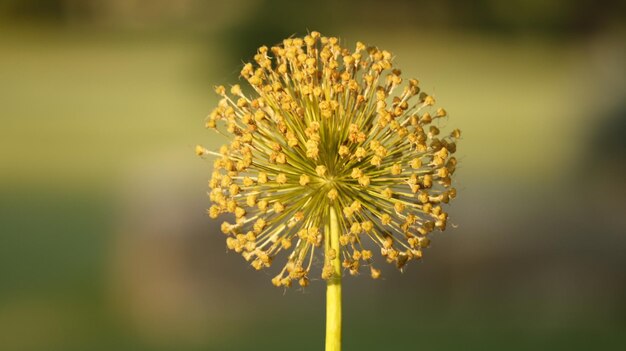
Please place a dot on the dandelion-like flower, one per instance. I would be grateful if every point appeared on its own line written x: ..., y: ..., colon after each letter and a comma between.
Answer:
x: 329, y: 133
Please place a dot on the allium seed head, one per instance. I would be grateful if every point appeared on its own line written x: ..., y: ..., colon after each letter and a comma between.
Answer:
x: 328, y: 127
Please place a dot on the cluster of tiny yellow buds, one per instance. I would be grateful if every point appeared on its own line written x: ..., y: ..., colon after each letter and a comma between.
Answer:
x: 328, y: 127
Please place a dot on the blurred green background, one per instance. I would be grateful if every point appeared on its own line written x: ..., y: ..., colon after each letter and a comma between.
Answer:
x: 104, y: 244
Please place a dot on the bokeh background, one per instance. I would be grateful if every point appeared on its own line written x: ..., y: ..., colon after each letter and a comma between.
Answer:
x: 105, y: 245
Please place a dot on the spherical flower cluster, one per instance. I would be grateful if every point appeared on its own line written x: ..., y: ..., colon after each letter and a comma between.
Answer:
x: 328, y: 127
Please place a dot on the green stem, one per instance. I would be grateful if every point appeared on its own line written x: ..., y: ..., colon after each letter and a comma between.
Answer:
x: 333, y: 288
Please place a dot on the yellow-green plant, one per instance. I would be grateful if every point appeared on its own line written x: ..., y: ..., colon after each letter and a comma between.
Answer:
x: 332, y: 148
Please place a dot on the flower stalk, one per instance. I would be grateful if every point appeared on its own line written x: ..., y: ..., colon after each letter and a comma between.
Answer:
x: 333, y: 287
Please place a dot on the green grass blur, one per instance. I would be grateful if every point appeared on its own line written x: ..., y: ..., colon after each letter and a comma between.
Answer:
x: 103, y: 239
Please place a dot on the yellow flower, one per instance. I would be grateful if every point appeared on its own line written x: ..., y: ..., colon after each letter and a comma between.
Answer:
x: 326, y: 126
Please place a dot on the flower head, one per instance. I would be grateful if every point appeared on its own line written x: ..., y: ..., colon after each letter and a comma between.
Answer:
x: 326, y: 127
